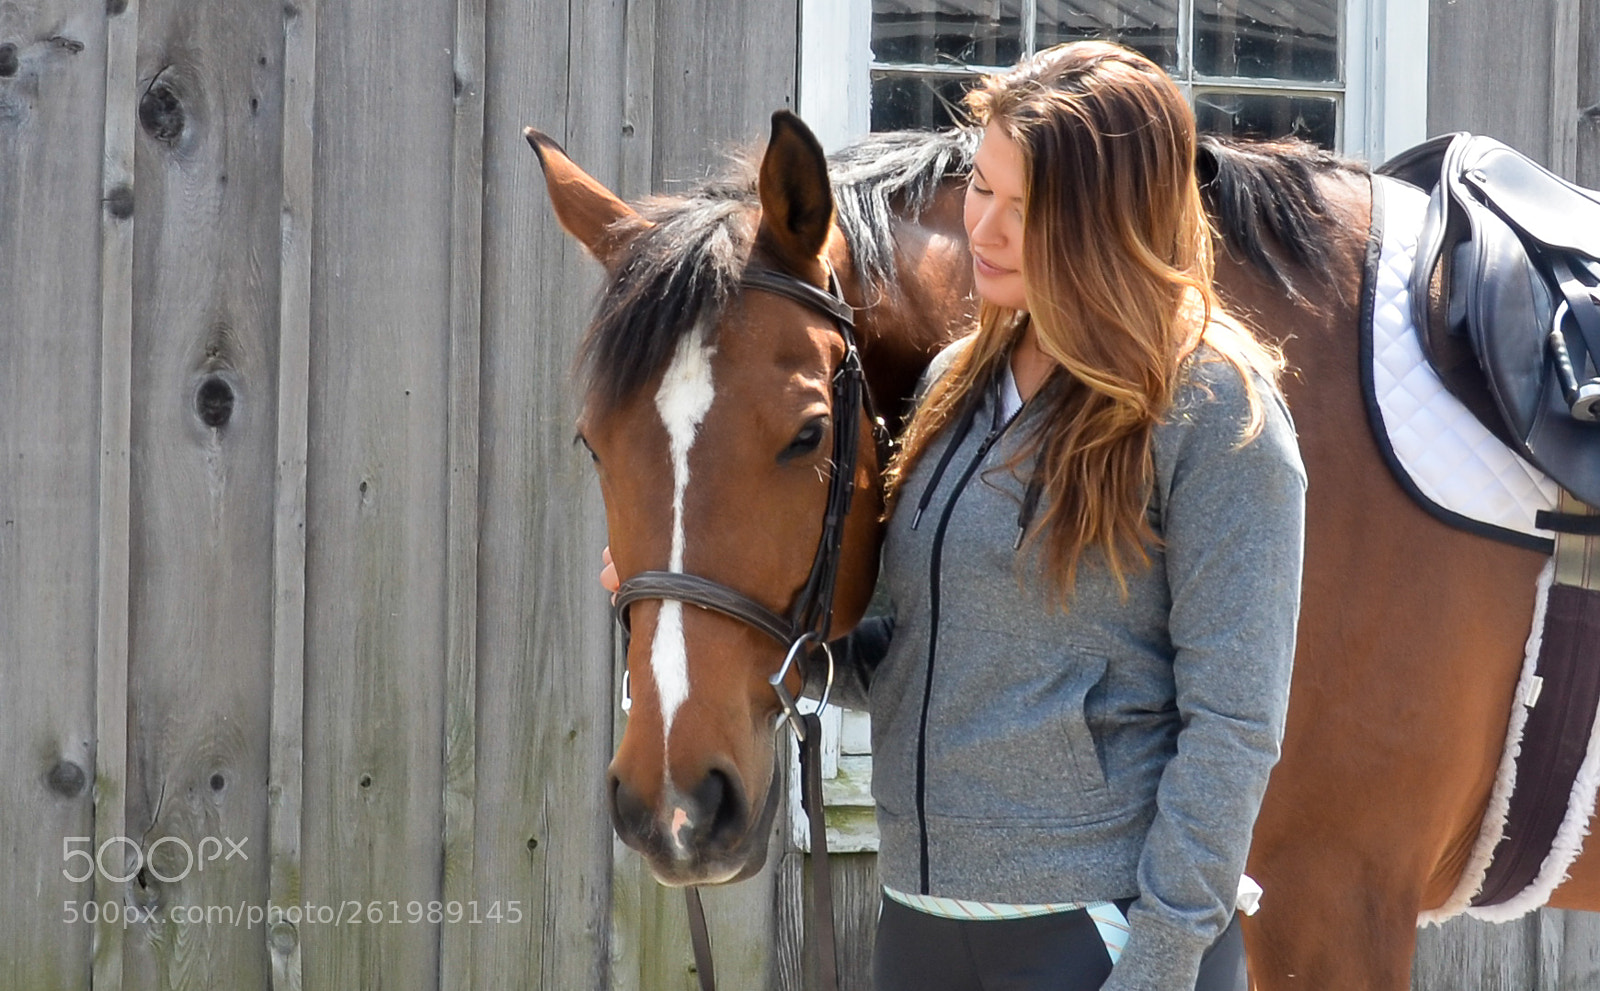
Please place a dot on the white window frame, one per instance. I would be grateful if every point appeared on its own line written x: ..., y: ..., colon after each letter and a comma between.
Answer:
x: 1384, y: 110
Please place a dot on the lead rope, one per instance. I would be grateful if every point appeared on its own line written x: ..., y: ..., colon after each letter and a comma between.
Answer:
x: 823, y: 943
x: 700, y: 939
x: 826, y: 961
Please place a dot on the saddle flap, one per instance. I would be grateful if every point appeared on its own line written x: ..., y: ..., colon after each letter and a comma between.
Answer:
x: 1542, y: 206
x: 1505, y: 307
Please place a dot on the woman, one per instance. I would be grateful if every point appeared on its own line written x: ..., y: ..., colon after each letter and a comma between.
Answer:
x: 1093, y: 556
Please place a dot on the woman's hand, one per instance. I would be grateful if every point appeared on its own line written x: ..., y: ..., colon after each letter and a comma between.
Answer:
x: 608, y: 573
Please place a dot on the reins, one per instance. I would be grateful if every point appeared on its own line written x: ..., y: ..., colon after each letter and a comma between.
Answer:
x: 809, y: 617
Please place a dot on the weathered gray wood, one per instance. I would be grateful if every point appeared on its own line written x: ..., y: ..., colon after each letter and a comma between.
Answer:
x: 1489, y: 71
x: 544, y: 679
x: 855, y: 919
x: 205, y: 376
x: 1563, y: 89
x: 1465, y: 953
x: 456, y: 959
x: 1578, y: 965
x: 285, y: 769
x: 1548, y: 950
x: 52, y: 106
x: 638, y: 102
x: 1588, y: 96
x: 650, y: 942
x: 112, y: 577
x: 377, y: 492
x: 731, y: 65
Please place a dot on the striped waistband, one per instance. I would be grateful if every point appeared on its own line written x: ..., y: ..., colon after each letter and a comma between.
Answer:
x: 1107, y: 917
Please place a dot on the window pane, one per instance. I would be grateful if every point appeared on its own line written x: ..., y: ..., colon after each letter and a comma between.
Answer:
x: 936, y: 32
x: 1269, y: 115
x: 902, y: 101
x: 1150, y: 26
x: 1264, y: 39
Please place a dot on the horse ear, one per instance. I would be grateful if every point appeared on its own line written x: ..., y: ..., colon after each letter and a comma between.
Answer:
x: 796, y: 200
x: 586, y: 209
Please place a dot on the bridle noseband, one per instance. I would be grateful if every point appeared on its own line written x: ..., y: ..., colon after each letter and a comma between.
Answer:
x: 809, y: 616
x: 812, y: 611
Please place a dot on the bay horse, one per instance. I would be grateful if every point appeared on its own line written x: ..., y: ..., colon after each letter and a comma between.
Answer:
x: 706, y: 406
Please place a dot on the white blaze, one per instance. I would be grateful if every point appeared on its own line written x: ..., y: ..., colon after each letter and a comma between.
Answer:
x: 683, y: 400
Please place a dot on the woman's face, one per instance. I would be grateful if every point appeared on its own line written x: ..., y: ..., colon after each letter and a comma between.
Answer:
x: 993, y: 216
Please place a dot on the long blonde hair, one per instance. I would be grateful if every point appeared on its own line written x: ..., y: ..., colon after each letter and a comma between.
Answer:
x: 1117, y: 270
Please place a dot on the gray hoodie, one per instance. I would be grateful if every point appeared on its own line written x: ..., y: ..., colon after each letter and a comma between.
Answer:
x: 1120, y: 749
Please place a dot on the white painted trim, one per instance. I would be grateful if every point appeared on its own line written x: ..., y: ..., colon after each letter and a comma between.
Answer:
x: 1386, y: 77
x: 1359, y: 45
x: 835, y: 96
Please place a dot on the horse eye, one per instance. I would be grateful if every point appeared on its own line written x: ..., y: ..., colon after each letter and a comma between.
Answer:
x: 581, y: 439
x: 806, y: 440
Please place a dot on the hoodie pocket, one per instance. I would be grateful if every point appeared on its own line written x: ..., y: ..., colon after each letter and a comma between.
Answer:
x: 1008, y: 738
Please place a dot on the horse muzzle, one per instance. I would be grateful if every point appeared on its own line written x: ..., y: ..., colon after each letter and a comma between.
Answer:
x: 710, y: 834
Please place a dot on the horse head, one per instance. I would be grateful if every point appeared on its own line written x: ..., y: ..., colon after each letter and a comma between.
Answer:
x: 709, y: 410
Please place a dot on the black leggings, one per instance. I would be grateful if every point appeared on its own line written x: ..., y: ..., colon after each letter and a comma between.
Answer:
x: 1062, y: 951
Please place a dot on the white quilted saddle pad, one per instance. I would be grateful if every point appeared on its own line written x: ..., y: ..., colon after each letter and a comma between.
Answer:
x: 1451, y: 459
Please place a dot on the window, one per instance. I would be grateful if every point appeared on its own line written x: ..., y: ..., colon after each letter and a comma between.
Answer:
x: 1348, y: 74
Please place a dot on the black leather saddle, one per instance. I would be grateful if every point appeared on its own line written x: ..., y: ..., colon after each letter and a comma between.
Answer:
x: 1506, y: 292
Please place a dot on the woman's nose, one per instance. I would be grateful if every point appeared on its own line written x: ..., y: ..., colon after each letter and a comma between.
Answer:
x: 982, y: 232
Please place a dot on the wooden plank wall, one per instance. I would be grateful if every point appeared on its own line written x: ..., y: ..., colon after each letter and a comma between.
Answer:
x: 295, y: 549
x: 52, y: 89
x: 1524, y: 73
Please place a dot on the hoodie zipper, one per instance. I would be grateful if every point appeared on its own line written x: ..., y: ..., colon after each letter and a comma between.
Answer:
x: 936, y: 557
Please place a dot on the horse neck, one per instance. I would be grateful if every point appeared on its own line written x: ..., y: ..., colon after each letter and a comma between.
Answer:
x: 901, y: 327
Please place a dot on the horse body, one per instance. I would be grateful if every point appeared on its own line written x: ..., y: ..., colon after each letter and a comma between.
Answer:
x: 1411, y: 632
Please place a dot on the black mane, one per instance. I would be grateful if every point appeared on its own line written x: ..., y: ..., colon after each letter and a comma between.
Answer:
x: 683, y: 267
x: 1264, y: 200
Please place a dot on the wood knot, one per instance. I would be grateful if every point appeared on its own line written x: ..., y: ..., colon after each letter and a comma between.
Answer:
x: 115, y: 7
x: 120, y: 201
x: 214, y: 401
x: 9, y: 63
x: 161, y: 112
x: 284, y: 937
x: 66, y: 779
x: 217, y: 782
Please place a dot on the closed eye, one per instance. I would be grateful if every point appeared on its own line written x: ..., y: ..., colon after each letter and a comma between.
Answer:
x: 806, y: 440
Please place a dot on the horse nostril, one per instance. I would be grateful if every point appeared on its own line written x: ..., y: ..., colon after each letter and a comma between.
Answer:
x: 723, y: 802
x: 629, y: 815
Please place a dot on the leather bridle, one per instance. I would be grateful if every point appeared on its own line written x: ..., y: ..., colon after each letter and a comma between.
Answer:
x: 809, y: 616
